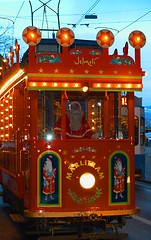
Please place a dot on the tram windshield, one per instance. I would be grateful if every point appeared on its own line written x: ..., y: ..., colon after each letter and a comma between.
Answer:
x: 76, y: 115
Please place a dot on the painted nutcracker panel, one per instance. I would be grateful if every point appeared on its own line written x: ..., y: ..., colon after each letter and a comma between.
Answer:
x: 119, y: 175
x: 49, y: 178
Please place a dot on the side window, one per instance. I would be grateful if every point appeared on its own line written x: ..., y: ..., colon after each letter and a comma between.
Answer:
x: 49, y: 111
x: 96, y: 116
x: 139, y: 121
x: 118, y: 115
x: 142, y: 131
x: 136, y: 130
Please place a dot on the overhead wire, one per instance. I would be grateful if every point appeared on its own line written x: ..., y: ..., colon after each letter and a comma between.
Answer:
x: 94, y: 4
x: 133, y: 22
x: 19, y: 11
x: 11, y: 38
x: 13, y: 21
x: 27, y: 17
x: 45, y: 16
x: 81, y: 18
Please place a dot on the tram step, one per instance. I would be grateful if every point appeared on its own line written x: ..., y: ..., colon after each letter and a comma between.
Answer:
x: 105, y: 235
x: 17, y: 218
x: 87, y: 236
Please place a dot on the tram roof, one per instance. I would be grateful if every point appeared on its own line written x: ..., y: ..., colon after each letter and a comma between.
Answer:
x: 48, y: 65
x: 51, y: 45
x: 77, y: 42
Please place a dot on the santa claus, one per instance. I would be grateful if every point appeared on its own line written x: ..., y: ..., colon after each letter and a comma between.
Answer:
x: 76, y: 125
x: 49, y: 179
x: 119, y: 176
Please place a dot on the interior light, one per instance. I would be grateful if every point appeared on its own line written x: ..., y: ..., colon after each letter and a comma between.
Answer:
x: 26, y: 137
x: 49, y: 137
x: 87, y: 180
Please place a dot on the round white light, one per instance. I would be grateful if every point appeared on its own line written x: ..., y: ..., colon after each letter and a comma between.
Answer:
x: 85, y: 89
x: 87, y: 180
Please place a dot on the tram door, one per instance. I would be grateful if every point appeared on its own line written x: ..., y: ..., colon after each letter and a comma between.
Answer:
x: 24, y: 166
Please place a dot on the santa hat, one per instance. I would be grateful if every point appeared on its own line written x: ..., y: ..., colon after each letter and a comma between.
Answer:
x: 74, y: 103
x: 118, y: 160
x: 48, y: 160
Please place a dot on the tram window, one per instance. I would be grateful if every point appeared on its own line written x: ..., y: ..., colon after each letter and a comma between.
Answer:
x: 49, y: 111
x: 118, y: 115
x: 84, y: 116
x: 139, y: 131
x: 136, y: 121
x: 91, y: 108
x: 142, y: 131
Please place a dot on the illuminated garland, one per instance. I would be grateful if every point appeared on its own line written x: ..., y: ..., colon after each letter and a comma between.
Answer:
x: 83, y: 200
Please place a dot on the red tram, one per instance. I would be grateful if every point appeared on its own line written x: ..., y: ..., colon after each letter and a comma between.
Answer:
x: 67, y: 131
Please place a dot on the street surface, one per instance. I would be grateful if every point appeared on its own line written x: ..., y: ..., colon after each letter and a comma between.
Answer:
x: 138, y: 226
x: 8, y: 230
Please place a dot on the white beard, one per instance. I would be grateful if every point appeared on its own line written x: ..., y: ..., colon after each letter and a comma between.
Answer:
x: 75, y: 121
x: 119, y: 166
x: 49, y: 165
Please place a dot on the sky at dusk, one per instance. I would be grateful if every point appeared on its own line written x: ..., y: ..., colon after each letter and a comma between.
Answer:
x: 121, y: 17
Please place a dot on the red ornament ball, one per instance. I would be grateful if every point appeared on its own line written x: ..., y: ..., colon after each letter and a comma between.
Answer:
x: 65, y: 37
x: 31, y: 35
x: 137, y: 39
x: 105, y: 38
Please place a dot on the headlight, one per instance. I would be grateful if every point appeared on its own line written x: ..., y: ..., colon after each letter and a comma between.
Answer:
x: 87, y: 180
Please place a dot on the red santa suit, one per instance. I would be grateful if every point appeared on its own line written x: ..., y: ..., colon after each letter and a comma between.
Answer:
x: 119, y: 175
x: 76, y: 125
x: 49, y: 181
x: 83, y: 132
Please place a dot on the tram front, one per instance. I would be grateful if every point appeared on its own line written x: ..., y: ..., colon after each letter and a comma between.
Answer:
x: 88, y: 163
